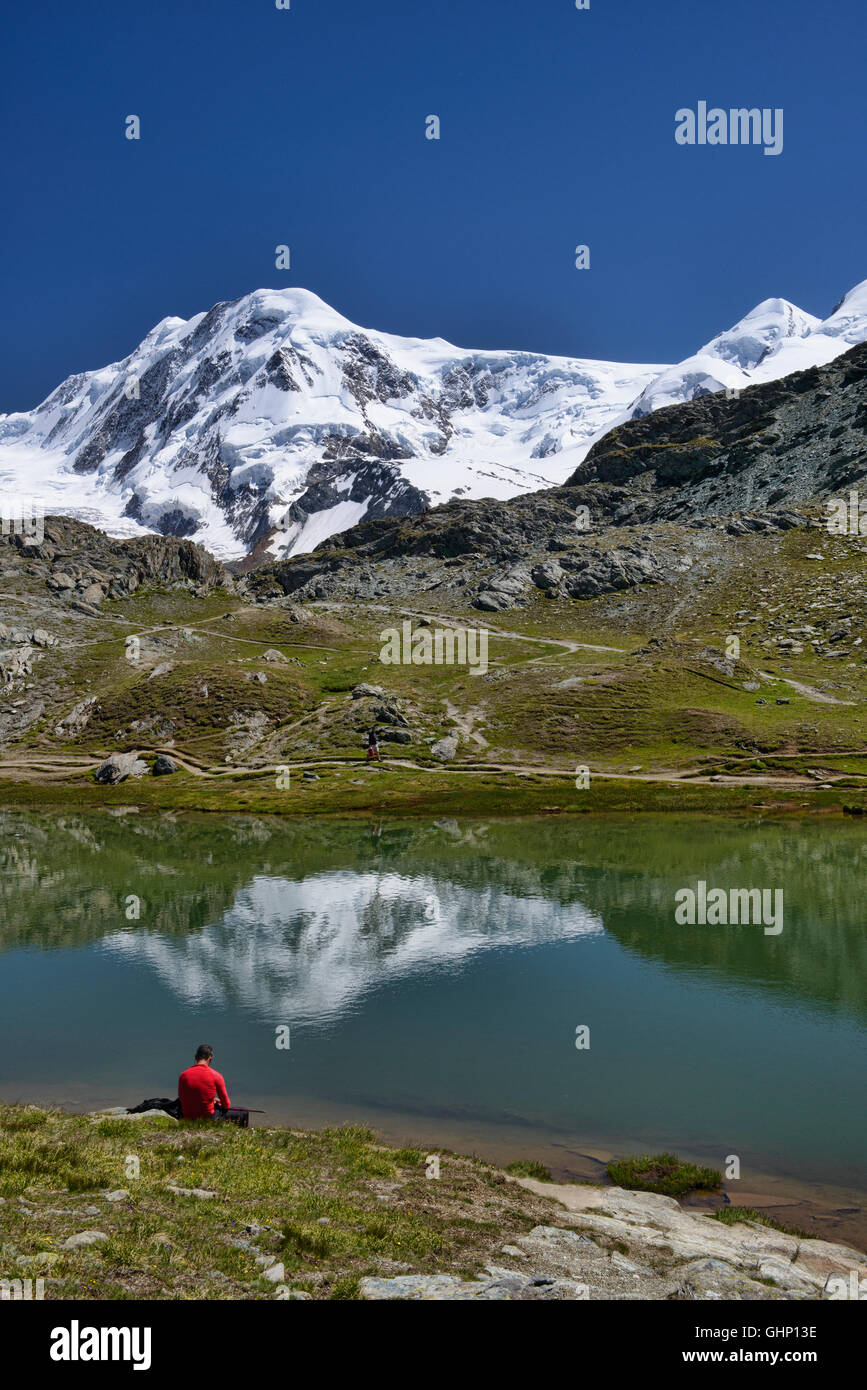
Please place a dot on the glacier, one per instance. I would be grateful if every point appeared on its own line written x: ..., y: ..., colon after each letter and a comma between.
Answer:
x: 269, y: 423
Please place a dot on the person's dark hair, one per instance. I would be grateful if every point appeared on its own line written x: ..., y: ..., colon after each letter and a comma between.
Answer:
x: 204, y: 1053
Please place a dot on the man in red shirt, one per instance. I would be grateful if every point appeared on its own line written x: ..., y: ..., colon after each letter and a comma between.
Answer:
x: 200, y: 1085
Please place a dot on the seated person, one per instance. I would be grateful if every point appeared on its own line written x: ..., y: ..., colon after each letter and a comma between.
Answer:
x: 199, y: 1086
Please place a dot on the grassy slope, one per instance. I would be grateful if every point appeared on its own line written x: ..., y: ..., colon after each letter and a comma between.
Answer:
x: 655, y: 698
x: 332, y: 1206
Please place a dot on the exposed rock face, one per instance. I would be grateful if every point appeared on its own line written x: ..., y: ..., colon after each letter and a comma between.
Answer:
x: 500, y: 1286
x: 673, y: 1254
x: 726, y: 1261
x: 15, y: 664
x: 277, y: 412
x: 494, y: 555
x: 777, y: 445
x: 76, y: 720
x: 374, y: 485
x: 503, y: 591
x: 493, y: 601
x: 753, y: 460
x: 79, y: 562
x: 716, y: 1280
x: 445, y: 748
x: 598, y: 573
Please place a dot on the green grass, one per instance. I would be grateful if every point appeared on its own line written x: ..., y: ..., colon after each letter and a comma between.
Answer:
x: 529, y: 1168
x: 331, y: 1205
x: 397, y: 791
x: 654, y: 698
x: 665, y: 1173
x: 730, y: 1216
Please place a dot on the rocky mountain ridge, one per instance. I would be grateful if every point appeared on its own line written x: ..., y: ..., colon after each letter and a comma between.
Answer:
x: 271, y: 423
x: 764, y: 461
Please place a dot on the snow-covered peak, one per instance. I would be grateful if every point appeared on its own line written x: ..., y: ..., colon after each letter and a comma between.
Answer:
x: 760, y: 332
x: 274, y: 416
x: 773, y: 340
x: 272, y: 420
x: 848, y: 319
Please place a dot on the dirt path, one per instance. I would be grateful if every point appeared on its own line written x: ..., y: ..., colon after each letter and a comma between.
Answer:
x: 568, y: 643
x: 60, y: 766
x: 810, y: 693
x: 53, y: 767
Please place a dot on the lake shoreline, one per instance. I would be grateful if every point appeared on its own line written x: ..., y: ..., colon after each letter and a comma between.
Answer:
x: 835, y: 1212
x: 390, y: 792
x: 212, y: 1212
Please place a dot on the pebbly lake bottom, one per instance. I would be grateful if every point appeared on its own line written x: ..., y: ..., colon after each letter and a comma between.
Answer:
x: 432, y: 979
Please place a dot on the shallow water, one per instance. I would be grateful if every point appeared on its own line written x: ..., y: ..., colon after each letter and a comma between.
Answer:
x: 433, y: 975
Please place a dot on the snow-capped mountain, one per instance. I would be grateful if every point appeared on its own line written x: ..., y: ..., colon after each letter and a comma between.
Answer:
x: 275, y: 411
x: 775, y: 339
x: 272, y: 419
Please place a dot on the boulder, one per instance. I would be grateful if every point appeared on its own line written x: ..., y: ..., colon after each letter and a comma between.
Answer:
x: 547, y: 576
x: 15, y: 664
x: 395, y: 735
x: 513, y: 584
x: 164, y: 765
x: 604, y: 574
x: 118, y: 767
x: 60, y: 581
x: 445, y: 748
x: 493, y: 601
x: 719, y: 1281
x: 84, y: 1238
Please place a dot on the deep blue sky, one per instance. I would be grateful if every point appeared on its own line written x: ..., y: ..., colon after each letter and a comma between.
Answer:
x: 306, y: 127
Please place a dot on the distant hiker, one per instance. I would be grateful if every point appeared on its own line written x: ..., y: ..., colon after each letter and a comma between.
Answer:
x: 200, y: 1085
x: 373, y: 745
